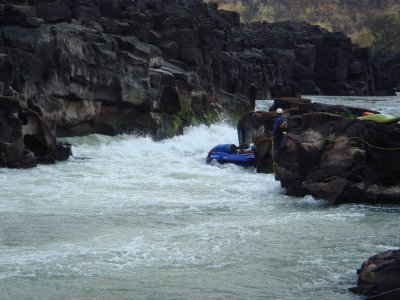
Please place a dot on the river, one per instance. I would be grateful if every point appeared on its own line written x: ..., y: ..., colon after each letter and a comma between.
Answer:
x: 130, y: 218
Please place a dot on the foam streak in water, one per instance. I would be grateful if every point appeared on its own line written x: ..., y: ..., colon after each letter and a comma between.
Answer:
x: 132, y: 218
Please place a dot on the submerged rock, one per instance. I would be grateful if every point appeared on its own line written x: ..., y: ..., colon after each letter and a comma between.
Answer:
x: 379, y: 276
x: 329, y: 153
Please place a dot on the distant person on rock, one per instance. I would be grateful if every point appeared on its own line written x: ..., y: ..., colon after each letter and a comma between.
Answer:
x: 280, y: 129
x: 252, y: 93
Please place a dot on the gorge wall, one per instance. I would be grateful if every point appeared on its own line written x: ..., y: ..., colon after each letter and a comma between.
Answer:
x: 155, y: 66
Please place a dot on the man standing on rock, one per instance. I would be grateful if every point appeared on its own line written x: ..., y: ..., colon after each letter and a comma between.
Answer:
x: 280, y: 129
x: 252, y: 95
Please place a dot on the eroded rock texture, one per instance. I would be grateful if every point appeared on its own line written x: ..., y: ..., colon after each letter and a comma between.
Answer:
x: 25, y: 139
x: 112, y: 66
x: 328, y: 154
x: 379, y: 276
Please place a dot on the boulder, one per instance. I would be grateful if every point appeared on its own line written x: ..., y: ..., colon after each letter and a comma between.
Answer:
x: 379, y: 276
x: 329, y: 153
x: 25, y: 138
x: 342, y: 161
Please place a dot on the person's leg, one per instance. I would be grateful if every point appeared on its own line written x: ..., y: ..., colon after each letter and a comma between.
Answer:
x: 252, y: 104
x: 277, y: 144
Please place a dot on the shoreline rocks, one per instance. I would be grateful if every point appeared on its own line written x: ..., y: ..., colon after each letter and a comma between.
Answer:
x: 329, y: 153
x: 25, y: 138
x: 379, y: 276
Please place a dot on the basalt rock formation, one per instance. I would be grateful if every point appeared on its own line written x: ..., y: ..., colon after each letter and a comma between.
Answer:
x: 25, y: 139
x: 311, y: 61
x: 379, y: 276
x: 152, y: 66
x: 328, y: 153
x: 387, y: 69
x: 93, y: 66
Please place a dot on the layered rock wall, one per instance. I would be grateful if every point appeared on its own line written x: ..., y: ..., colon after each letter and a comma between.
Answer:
x: 155, y: 66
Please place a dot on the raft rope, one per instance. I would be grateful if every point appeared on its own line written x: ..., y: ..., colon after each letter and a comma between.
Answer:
x: 335, y: 140
x: 361, y: 140
x: 4, y: 160
x: 273, y: 155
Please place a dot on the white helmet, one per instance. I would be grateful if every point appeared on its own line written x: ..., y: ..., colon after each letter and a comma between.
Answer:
x: 279, y: 111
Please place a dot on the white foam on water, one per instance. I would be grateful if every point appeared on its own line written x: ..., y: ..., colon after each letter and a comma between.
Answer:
x: 383, y: 104
x: 127, y: 214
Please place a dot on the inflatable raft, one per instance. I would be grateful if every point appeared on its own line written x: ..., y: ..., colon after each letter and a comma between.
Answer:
x: 230, y: 153
x: 380, y: 118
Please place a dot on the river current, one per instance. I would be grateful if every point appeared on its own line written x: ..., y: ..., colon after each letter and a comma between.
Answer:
x: 130, y: 218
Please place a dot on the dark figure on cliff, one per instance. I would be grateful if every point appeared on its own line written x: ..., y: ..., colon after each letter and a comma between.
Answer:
x: 252, y: 92
x: 280, y: 129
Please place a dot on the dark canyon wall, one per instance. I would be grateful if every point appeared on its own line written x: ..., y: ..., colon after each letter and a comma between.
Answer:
x: 154, y: 66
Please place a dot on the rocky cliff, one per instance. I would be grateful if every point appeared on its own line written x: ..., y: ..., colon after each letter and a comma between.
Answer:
x: 153, y: 67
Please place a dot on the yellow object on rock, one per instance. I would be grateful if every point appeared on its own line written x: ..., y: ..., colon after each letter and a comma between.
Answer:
x: 381, y: 118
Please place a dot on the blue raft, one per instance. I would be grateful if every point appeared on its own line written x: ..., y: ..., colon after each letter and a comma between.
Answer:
x: 229, y: 153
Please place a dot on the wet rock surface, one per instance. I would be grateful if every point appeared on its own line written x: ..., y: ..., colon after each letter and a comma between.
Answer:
x: 25, y: 138
x: 379, y: 276
x: 158, y: 62
x: 329, y: 153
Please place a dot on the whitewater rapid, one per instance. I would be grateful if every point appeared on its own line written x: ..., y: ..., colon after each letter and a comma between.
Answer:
x: 131, y: 218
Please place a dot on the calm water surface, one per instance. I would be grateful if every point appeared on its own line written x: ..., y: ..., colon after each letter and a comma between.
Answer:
x: 130, y: 218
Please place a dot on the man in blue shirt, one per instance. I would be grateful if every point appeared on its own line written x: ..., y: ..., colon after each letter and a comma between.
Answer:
x: 280, y: 129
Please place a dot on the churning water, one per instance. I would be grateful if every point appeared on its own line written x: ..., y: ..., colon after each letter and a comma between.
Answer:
x: 130, y: 218
x: 388, y: 105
